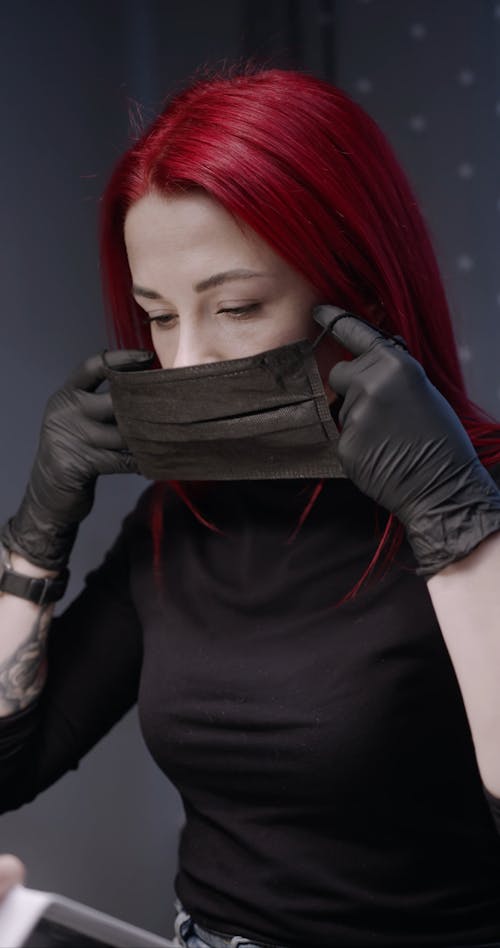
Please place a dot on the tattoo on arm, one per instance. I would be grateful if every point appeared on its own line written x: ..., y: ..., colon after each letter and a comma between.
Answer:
x: 23, y: 674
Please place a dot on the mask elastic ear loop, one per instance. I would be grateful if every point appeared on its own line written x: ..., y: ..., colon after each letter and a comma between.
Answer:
x: 328, y: 327
x: 104, y: 359
x: 398, y: 340
x: 323, y: 332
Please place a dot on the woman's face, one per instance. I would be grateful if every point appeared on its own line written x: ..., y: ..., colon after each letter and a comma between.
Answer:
x: 214, y: 290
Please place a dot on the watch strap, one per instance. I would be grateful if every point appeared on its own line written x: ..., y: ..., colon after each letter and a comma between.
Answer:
x: 37, y: 589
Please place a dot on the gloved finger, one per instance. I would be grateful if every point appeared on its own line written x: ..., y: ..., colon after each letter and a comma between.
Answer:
x: 341, y: 377
x: 96, y: 435
x: 90, y: 373
x: 351, y: 331
x: 344, y: 373
x: 113, y: 364
x: 98, y: 406
x: 118, y: 462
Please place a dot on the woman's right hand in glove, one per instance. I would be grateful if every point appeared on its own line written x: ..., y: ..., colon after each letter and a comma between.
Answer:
x: 79, y: 439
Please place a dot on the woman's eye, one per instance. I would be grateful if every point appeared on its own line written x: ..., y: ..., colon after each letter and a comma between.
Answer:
x: 241, y: 310
x: 162, y: 320
x: 165, y: 319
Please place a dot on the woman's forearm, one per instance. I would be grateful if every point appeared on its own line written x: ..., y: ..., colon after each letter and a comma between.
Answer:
x: 466, y: 599
x: 23, y: 639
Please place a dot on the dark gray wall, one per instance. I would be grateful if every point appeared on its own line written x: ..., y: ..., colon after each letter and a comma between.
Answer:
x: 429, y: 73
x: 69, y: 72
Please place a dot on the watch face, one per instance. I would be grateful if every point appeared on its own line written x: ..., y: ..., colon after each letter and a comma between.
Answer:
x: 4, y: 554
x: 4, y: 563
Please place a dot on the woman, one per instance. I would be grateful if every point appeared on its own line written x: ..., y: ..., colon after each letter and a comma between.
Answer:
x: 333, y: 738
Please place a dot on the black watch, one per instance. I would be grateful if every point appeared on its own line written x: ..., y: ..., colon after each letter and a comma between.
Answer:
x: 40, y: 590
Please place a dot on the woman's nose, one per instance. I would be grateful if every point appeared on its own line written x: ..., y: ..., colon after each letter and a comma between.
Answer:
x: 193, y: 348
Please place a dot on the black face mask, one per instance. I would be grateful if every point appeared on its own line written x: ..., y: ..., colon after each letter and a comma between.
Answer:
x: 264, y: 416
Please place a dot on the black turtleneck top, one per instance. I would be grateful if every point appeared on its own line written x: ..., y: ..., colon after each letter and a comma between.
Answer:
x: 323, y: 755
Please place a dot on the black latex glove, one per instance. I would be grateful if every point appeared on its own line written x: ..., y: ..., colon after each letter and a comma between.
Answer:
x: 79, y: 440
x: 404, y: 446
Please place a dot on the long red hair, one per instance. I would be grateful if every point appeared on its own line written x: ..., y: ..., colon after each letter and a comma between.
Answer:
x: 311, y: 172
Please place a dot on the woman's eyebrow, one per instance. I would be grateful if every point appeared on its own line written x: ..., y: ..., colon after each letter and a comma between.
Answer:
x: 215, y: 280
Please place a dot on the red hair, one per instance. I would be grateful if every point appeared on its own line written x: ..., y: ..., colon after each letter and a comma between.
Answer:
x: 311, y: 172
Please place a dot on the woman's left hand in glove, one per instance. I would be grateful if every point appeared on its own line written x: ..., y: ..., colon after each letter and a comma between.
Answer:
x: 402, y: 444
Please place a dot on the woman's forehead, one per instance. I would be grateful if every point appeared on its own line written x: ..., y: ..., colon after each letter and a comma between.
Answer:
x: 193, y: 233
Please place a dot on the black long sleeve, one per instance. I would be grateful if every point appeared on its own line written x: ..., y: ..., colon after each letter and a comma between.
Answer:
x: 323, y: 756
x: 94, y: 664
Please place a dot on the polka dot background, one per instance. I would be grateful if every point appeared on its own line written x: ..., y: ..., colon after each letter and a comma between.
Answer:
x: 429, y: 73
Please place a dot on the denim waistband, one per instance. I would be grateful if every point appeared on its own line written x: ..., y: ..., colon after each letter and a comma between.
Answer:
x: 186, y: 927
